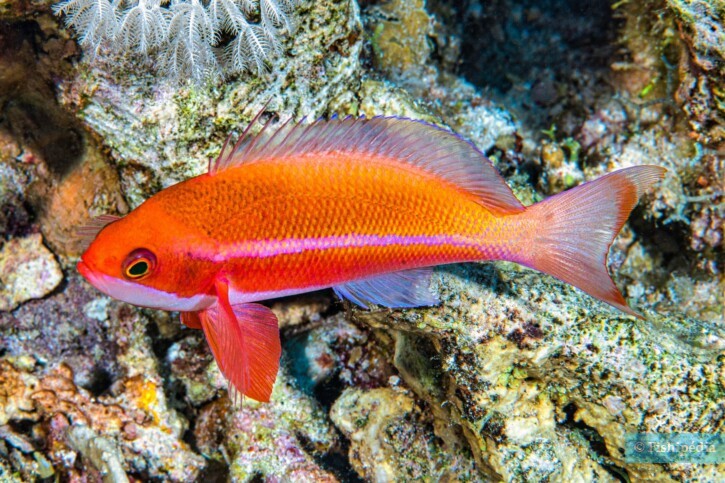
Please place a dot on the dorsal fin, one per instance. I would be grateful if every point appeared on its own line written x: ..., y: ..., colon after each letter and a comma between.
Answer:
x: 88, y: 232
x: 417, y: 143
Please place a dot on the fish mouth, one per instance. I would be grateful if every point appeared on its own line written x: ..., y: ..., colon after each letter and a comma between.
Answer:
x: 88, y: 273
x: 83, y: 269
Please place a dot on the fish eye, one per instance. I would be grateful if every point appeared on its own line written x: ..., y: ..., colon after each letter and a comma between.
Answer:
x: 138, y: 264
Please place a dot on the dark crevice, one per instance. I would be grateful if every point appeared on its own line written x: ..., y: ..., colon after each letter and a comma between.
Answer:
x: 100, y: 382
x: 336, y: 460
x: 256, y: 478
x: 189, y: 437
x: 159, y: 345
x: 22, y: 426
x: 174, y: 389
x: 672, y: 242
x: 215, y: 472
x: 29, y: 111
x: 508, y: 42
x: 328, y: 391
x: 325, y: 392
x: 16, y: 218
x: 596, y: 444
x: 47, y: 130
x: 549, y: 62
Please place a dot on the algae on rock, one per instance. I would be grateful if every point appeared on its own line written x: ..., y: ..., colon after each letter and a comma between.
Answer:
x: 526, y: 362
x: 702, y: 66
x: 133, y: 415
x: 392, y: 438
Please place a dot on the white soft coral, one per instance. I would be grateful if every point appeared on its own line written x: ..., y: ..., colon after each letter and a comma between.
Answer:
x: 143, y: 26
x: 94, y: 20
x: 183, y: 35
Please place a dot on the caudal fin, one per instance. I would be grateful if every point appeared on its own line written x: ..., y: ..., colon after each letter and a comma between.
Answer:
x: 574, y: 230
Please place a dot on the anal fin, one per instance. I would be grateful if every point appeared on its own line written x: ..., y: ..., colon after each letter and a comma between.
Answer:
x: 409, y: 288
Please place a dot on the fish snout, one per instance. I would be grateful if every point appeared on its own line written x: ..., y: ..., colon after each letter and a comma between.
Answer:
x: 91, y: 276
x: 83, y: 269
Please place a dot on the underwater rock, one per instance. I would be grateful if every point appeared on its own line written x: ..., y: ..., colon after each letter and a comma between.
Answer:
x: 7, y: 474
x: 77, y: 335
x: 278, y: 440
x: 135, y: 418
x: 392, y: 438
x: 101, y: 452
x: 400, y: 38
x: 53, y: 175
x: 676, y: 61
x: 302, y: 310
x: 91, y: 188
x: 190, y: 361
x: 333, y: 353
x: 534, y: 370
x: 687, y: 208
x: 28, y: 271
x: 67, y: 372
x: 700, y: 27
x: 15, y: 220
x: 288, y: 438
x: 560, y: 168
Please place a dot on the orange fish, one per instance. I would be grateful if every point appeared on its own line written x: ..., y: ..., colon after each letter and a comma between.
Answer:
x: 365, y: 206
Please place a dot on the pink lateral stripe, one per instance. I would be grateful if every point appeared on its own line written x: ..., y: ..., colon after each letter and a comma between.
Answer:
x: 289, y: 246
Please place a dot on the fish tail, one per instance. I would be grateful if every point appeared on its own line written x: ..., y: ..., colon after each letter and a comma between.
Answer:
x: 572, y: 231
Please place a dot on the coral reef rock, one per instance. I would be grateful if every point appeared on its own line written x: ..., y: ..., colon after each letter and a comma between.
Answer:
x: 385, y: 423
x: 536, y: 371
x: 28, y: 270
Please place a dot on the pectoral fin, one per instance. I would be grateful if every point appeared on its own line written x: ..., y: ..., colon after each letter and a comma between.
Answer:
x: 191, y: 320
x: 245, y: 342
